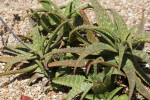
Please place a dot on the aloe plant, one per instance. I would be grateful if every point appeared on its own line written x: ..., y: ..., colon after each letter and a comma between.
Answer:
x: 109, y: 45
x: 120, y: 44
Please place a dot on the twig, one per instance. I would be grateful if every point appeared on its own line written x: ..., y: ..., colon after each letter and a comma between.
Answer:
x: 15, y: 34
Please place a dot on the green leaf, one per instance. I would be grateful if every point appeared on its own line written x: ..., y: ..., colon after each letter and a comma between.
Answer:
x: 54, y: 18
x: 121, y: 53
x: 121, y: 27
x: 20, y: 48
x: 41, y: 66
x: 100, y: 76
x: 130, y: 35
x: 92, y: 97
x: 45, y: 26
x: 5, y: 58
x: 76, y: 3
x: 69, y: 80
x: 82, y: 87
x: 110, y: 95
x: 50, y: 6
x: 145, y: 35
x: 59, y: 37
x: 100, y: 88
x: 56, y: 15
x: 101, y: 61
x: 34, y: 77
x: 141, y: 73
x: 19, y: 58
x: 37, y: 39
x: 141, y: 41
x: 94, y: 48
x: 54, y: 35
x: 69, y: 63
x: 121, y: 97
x: 77, y: 50
x: 46, y: 5
x: 141, y: 89
x: 76, y: 82
x: 129, y: 70
x: 102, y: 16
x: 24, y: 70
x: 110, y: 64
x: 142, y: 55
x: 118, y: 72
x: 103, y: 84
x: 107, y: 80
x: 68, y: 9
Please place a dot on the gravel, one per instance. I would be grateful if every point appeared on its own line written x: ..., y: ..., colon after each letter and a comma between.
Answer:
x: 13, y: 11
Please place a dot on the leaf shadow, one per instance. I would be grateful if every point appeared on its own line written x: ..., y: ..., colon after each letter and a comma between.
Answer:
x: 19, y: 78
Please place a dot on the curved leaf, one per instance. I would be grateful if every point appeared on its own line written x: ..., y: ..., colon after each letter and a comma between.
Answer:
x: 141, y: 89
x: 129, y: 70
x: 56, y: 14
x: 104, y: 63
x: 82, y: 87
x: 121, y: 53
x: 48, y: 5
x: 130, y: 35
x: 94, y: 48
x: 121, y: 97
x: 49, y: 43
x: 42, y: 67
x: 68, y: 9
x: 59, y: 37
x: 19, y: 58
x: 92, y: 97
x: 118, y: 72
x: 141, y: 73
x: 69, y: 63
x: 14, y: 49
x: 142, y: 55
x: 34, y: 77
x: 77, y: 50
x: 112, y: 93
x: 69, y: 80
x: 141, y: 41
x: 28, y: 69
x: 121, y: 25
x: 45, y: 26
x: 143, y: 36
x: 37, y: 39
x: 5, y: 59
x: 102, y: 16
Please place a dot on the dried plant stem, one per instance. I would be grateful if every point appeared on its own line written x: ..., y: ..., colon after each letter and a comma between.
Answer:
x: 15, y: 34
